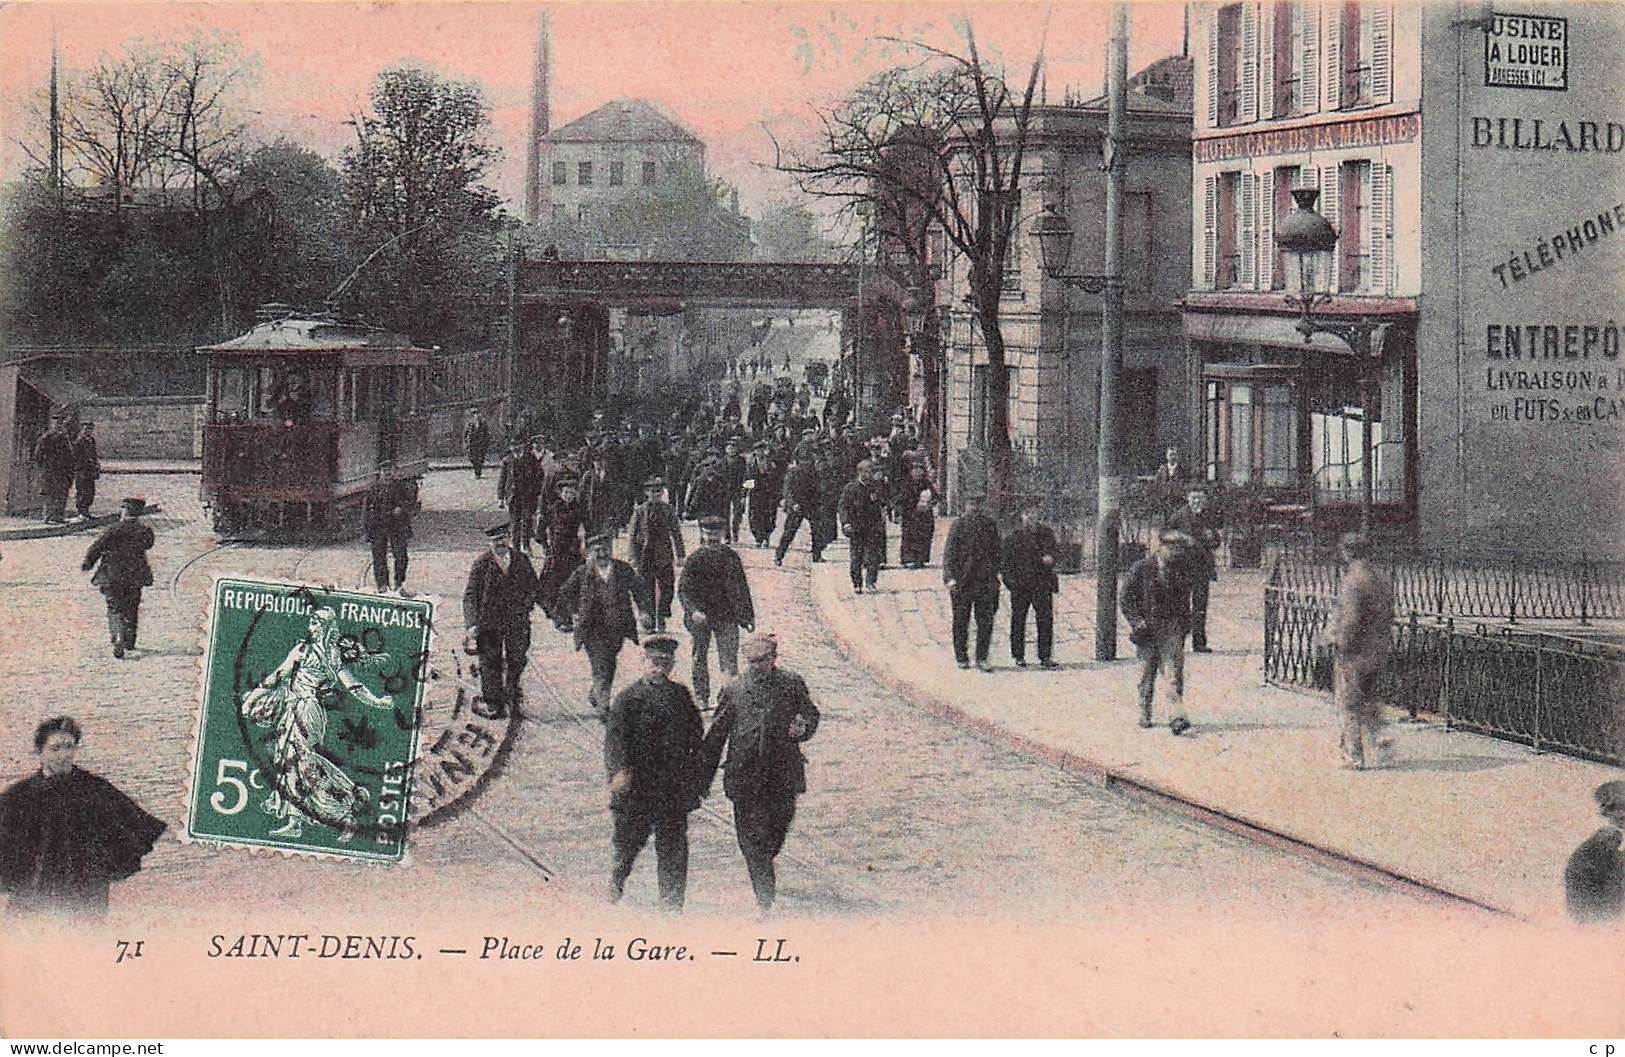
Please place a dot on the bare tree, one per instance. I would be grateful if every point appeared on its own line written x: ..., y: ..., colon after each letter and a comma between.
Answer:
x: 937, y: 146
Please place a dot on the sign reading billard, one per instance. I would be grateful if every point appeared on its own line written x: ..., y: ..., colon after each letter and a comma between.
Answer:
x: 1527, y: 51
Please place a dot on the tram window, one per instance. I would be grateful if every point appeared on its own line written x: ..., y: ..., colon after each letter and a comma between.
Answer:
x: 361, y: 396
x: 323, y: 388
x: 231, y: 394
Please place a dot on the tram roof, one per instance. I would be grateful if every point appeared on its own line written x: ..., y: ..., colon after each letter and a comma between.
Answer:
x: 353, y: 343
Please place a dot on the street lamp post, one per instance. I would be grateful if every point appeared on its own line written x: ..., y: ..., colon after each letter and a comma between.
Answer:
x: 1054, y: 237
x: 1304, y: 233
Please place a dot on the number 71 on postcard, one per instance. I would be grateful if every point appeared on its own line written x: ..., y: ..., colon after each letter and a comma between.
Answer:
x: 308, y: 720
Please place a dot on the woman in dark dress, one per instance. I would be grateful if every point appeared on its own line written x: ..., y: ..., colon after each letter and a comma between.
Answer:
x: 65, y: 834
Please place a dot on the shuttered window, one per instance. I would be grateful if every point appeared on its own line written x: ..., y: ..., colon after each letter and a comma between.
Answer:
x: 1307, y: 17
x: 1325, y: 278
x: 1358, y: 59
x: 1353, y: 244
x: 1213, y: 72
x: 1229, y: 241
x: 1247, y: 67
x: 1382, y: 53
x: 1248, y: 232
x: 1380, y: 229
x: 1268, y: 58
x: 1230, y: 63
x: 1210, y: 218
x: 1332, y: 55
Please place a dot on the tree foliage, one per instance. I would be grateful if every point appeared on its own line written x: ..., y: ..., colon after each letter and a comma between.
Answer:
x: 789, y: 231
x: 935, y: 146
x: 685, y: 217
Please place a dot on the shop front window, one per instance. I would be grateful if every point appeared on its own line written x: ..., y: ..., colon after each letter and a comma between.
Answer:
x: 1252, y: 432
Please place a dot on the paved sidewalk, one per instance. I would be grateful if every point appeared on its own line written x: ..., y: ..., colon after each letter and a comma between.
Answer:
x: 1473, y: 817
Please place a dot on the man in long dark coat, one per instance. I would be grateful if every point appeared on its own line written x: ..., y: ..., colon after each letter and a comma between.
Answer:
x: 87, y: 467
x: 520, y: 486
x: 735, y: 469
x: 501, y: 589
x: 387, y: 524
x: 1200, y: 522
x: 970, y: 569
x: 597, y: 602
x: 477, y: 442
x: 1029, y: 575
x: 656, y: 538
x: 716, y: 604
x: 53, y: 462
x: 119, y: 557
x: 762, y: 719
x: 652, y: 743
x: 826, y: 518
x: 862, y: 511
x: 564, y: 523
x: 917, y: 513
x: 768, y: 474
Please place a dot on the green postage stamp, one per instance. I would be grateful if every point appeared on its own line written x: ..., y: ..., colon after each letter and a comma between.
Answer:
x: 309, y: 722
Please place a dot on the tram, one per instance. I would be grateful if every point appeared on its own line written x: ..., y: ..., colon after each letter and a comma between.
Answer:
x: 307, y: 412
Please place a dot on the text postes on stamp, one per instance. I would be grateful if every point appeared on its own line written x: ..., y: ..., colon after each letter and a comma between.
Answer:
x: 310, y: 717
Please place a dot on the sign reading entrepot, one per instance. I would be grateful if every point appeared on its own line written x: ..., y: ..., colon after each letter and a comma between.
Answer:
x: 1527, y: 51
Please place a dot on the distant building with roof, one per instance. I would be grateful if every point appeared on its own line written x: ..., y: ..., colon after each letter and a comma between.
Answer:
x: 621, y: 147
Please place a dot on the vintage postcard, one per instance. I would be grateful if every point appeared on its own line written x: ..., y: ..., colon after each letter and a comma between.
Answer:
x: 812, y: 519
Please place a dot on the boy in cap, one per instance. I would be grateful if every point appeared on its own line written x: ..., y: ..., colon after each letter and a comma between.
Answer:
x: 716, y: 604
x: 762, y: 719
x: 119, y: 557
x: 656, y: 538
x: 652, y: 742
x: 501, y: 589
x: 1594, y: 879
x: 596, y: 601
x: 1156, y: 601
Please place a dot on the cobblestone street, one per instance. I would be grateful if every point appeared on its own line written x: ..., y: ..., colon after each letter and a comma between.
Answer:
x: 906, y: 812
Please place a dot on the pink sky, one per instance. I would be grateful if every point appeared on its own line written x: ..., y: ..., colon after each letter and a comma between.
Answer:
x: 724, y: 68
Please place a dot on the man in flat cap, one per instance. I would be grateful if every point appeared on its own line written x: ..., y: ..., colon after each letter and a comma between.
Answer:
x: 501, y: 589
x: 476, y: 443
x: 862, y: 512
x: 1200, y: 521
x: 1594, y: 880
x: 1029, y: 574
x: 801, y: 486
x: 87, y: 468
x: 716, y: 604
x: 970, y: 569
x: 656, y: 537
x: 563, y: 524
x: 762, y: 719
x: 519, y: 486
x: 652, y: 742
x: 596, y: 602
x: 387, y: 524
x: 1361, y: 629
x: 1156, y: 601
x: 119, y: 557
x: 767, y: 488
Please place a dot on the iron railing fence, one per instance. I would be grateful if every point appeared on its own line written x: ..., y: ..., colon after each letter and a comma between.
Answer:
x: 1497, y: 589
x: 1550, y: 691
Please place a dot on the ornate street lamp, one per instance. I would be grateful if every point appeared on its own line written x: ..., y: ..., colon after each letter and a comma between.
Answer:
x: 1054, y: 237
x: 1306, y: 234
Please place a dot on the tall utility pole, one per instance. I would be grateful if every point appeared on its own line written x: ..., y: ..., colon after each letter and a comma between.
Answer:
x: 56, y: 124
x: 1109, y: 455
x: 540, y: 116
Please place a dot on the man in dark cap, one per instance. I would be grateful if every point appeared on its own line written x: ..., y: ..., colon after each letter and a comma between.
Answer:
x: 656, y: 538
x: 1594, y: 879
x: 826, y: 517
x: 53, y: 462
x: 762, y: 719
x: 519, y: 486
x: 767, y: 476
x: 652, y: 742
x: 387, y: 524
x: 970, y: 569
x: 735, y: 468
x: 87, y: 467
x: 563, y: 523
x: 501, y: 589
x: 119, y: 557
x: 708, y: 491
x: 596, y: 602
x: 1029, y: 574
x: 677, y: 468
x: 716, y: 604
x: 862, y: 512
x: 800, y: 504
x: 1156, y: 600
x: 916, y: 501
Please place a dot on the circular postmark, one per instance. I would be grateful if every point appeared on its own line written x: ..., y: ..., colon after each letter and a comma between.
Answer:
x: 365, y: 727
